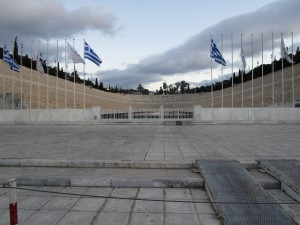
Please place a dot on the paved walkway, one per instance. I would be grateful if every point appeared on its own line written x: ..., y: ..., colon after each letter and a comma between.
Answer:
x: 139, y: 143
x: 36, y: 208
x: 150, y: 142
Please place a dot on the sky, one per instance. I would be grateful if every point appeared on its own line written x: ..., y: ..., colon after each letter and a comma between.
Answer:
x: 151, y: 42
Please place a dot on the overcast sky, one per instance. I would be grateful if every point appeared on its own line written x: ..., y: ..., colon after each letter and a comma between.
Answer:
x: 151, y: 42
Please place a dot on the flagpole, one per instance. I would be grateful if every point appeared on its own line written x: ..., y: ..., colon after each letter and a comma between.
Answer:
x: 57, y: 74
x: 13, y: 83
x: 47, y: 75
x: 293, y: 78
x: 242, y: 74
x: 84, y: 74
x: 211, y: 76
x: 66, y: 104
x: 74, y: 79
x: 3, y: 82
x: 38, y: 58
x: 282, y: 80
x: 262, y: 70
x: 252, y: 67
x: 30, y: 90
x: 21, y: 77
x: 222, y: 69
x: 232, y: 70
x: 272, y: 59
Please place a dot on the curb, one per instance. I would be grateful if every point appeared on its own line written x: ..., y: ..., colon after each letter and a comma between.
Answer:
x: 26, y: 180
x: 108, y: 164
x: 95, y: 164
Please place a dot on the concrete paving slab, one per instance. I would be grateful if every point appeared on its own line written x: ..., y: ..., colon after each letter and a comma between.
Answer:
x: 199, y: 194
x: 152, y: 193
x: 96, y: 191
x: 147, y: 218
x: 118, y: 205
x: 2, y: 210
x: 33, y: 202
x: 113, y: 218
x: 76, y: 218
x: 209, y: 219
x: 3, y: 191
x: 180, y: 207
x: 178, y: 194
x: 124, y: 192
x: 179, y: 219
x: 73, y: 190
x: 88, y: 204
x: 4, y: 200
x: 148, y: 207
x: 204, y: 208
x: 60, y: 203
x: 23, y: 215
x: 44, y: 217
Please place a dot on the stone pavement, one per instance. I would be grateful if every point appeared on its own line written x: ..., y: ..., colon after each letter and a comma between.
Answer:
x: 242, y: 142
x: 107, y: 149
x: 62, y: 208
x: 36, y: 208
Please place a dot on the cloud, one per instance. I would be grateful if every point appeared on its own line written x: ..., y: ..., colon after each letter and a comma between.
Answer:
x: 278, y: 17
x: 32, y: 20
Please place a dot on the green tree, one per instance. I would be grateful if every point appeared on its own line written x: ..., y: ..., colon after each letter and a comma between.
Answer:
x: 96, y: 86
x: 140, y: 88
x: 165, y: 87
x: 183, y: 86
x: 177, y: 84
x: 16, y: 50
x: 101, y: 86
x: 161, y: 91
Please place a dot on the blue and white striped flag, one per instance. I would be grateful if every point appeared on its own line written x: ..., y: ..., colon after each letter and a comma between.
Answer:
x: 13, y: 65
x: 216, y: 54
x: 7, y: 58
x: 91, y: 55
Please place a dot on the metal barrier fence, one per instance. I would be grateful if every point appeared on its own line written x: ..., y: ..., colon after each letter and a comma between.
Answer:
x: 114, y: 114
x: 178, y: 114
x: 158, y: 113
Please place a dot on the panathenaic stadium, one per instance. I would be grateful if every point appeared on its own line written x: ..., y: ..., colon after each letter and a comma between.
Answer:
x: 75, y: 155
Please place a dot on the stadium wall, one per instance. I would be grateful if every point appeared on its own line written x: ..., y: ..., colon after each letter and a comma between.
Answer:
x: 45, y: 116
x: 252, y: 115
x: 217, y: 115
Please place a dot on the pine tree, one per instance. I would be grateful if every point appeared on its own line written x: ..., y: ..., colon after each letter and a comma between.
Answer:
x: 101, y: 86
x: 96, y: 84
x: 16, y: 50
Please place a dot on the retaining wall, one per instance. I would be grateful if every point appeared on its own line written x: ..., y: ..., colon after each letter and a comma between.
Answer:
x: 246, y: 114
x: 217, y: 115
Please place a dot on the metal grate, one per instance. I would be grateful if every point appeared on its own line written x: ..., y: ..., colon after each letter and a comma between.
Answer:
x: 237, y: 198
x: 287, y: 171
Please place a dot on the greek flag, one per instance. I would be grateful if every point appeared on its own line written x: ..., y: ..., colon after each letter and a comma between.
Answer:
x: 13, y: 65
x: 91, y: 55
x: 284, y: 53
x: 215, y: 53
x: 7, y: 58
